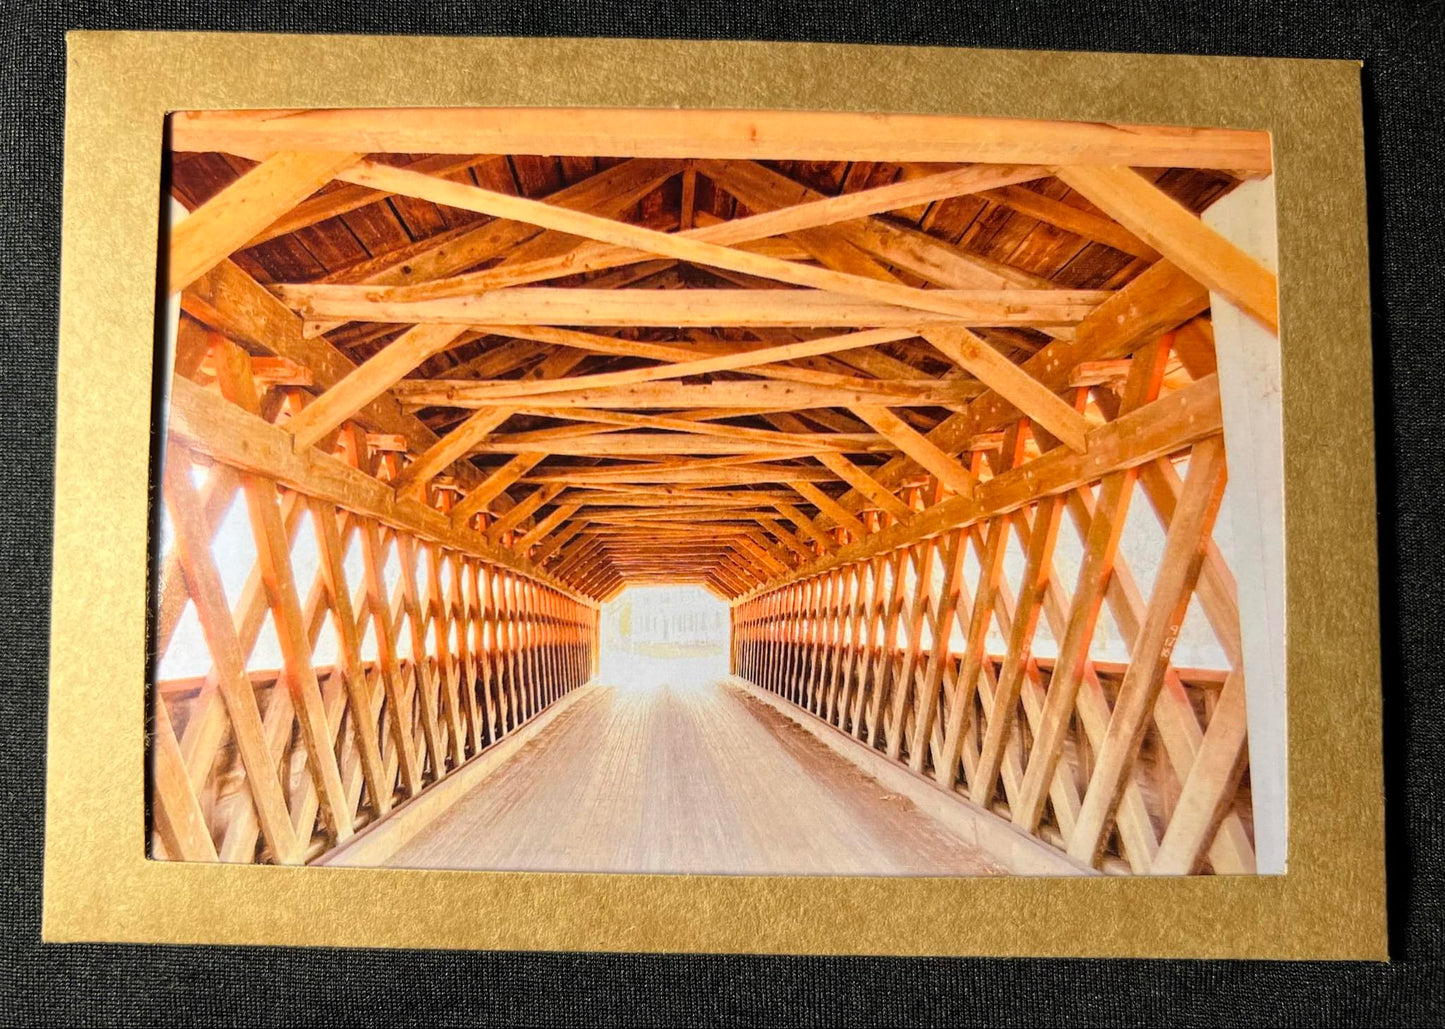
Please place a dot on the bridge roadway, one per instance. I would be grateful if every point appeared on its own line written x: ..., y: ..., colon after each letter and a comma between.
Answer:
x: 685, y: 773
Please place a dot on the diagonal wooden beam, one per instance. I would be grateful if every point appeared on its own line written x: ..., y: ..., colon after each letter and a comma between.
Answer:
x: 697, y: 476
x: 851, y: 473
x: 767, y: 396
x: 608, y: 443
x: 493, y: 485
x: 332, y: 552
x: 1166, y: 426
x: 803, y: 522
x: 866, y: 485
x: 934, y: 260
x: 873, y: 362
x: 664, y: 495
x: 546, y: 525
x: 1038, y: 542
x: 686, y: 520
x: 681, y: 369
x: 502, y: 205
x: 1173, y: 587
x: 697, y: 366
x: 827, y: 505
x: 1207, y: 792
x: 596, y: 343
x: 1071, y: 219
x: 1158, y: 300
x: 746, y: 557
x: 273, y: 550
x: 691, y: 351
x: 207, y: 424
x: 370, y: 380
x: 835, y: 253
x: 571, y: 558
x: 917, y: 446
x: 456, y: 444
x: 740, y: 571
x: 339, y: 201
x: 1011, y: 382
x: 204, y: 583
x: 608, y: 193
x: 735, y: 232
x: 178, y: 819
x: 1181, y: 236
x: 230, y: 301
x: 518, y: 514
x: 776, y: 529
x: 223, y: 224
x: 698, y: 422
x: 761, y: 554
x: 450, y: 448
x: 555, y: 541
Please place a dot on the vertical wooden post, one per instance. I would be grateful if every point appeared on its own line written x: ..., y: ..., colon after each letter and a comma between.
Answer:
x: 1251, y: 398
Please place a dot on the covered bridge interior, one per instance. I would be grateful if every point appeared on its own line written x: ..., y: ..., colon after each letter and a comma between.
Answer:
x: 931, y: 404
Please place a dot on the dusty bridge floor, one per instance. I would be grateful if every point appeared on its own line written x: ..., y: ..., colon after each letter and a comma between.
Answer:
x: 690, y: 775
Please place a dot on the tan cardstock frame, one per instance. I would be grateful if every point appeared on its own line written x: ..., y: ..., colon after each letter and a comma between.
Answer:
x: 99, y: 884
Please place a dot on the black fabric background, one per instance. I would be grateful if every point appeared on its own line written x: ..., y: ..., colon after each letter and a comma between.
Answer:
x: 1402, y: 46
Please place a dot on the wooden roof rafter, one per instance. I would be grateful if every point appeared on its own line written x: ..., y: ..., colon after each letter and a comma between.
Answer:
x: 698, y: 335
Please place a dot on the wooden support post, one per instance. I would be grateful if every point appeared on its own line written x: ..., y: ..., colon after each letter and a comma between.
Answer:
x: 1251, y: 398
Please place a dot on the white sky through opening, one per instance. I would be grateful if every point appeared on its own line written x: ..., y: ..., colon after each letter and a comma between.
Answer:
x: 656, y: 636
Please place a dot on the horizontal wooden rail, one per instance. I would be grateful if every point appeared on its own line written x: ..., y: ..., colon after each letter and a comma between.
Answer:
x: 668, y: 132
x: 206, y: 423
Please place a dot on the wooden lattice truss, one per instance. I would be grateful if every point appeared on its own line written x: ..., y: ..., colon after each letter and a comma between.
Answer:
x: 810, y: 361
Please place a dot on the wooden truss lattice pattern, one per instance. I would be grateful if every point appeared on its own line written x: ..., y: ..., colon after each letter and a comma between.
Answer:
x: 281, y: 765
x: 1139, y: 765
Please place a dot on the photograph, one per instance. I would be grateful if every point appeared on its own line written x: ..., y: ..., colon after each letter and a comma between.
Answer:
x: 690, y: 491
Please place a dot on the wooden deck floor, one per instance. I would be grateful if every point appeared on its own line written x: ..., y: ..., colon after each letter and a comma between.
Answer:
x: 691, y: 776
